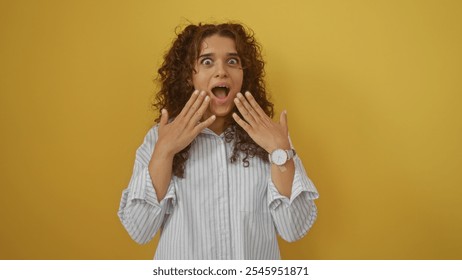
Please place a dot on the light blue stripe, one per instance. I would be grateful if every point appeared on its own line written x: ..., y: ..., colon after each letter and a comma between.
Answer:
x: 220, y: 210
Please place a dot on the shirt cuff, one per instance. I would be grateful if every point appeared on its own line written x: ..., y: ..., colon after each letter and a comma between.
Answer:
x: 143, y: 189
x: 300, y: 184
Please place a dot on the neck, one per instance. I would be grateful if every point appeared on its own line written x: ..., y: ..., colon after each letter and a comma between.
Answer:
x: 218, y: 126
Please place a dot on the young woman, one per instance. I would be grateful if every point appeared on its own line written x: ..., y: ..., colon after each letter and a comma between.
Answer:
x: 216, y: 175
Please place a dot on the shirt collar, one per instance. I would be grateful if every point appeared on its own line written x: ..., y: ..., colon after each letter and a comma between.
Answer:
x: 210, y: 132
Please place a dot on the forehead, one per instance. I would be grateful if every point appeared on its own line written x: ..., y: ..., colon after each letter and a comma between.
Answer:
x: 218, y: 44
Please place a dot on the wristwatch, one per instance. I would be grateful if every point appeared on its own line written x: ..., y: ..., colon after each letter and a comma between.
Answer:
x: 280, y: 156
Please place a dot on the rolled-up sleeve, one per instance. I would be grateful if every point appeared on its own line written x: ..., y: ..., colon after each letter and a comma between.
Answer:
x: 294, y: 216
x: 140, y: 211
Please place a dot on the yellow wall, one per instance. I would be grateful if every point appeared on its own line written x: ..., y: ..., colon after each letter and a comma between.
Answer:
x: 372, y: 88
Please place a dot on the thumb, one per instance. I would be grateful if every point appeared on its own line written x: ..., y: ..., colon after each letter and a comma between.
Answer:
x: 283, y: 119
x: 163, y: 117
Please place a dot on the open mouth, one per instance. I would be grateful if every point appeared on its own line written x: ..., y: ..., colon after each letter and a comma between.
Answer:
x: 220, y: 92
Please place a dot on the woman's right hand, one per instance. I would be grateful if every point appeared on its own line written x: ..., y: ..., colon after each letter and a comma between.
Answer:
x: 175, y: 136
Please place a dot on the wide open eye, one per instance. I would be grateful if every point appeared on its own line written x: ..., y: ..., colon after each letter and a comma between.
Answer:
x: 233, y: 61
x: 207, y: 61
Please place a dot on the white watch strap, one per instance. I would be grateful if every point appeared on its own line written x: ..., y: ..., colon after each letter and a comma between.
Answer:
x: 290, y: 154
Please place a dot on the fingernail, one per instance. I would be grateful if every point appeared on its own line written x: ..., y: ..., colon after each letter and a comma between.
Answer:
x: 247, y: 93
x: 207, y: 98
x: 239, y: 94
x: 213, y: 117
x: 163, y: 111
x: 202, y: 93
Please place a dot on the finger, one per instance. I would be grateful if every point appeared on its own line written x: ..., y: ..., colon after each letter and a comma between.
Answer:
x: 255, y: 105
x: 245, y: 113
x: 195, y: 106
x: 197, y: 116
x: 201, y: 126
x: 163, y: 118
x: 249, y: 108
x: 190, y: 102
x: 283, y: 120
x: 242, y: 123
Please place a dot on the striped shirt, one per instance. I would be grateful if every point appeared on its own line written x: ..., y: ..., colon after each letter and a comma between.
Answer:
x: 219, y: 210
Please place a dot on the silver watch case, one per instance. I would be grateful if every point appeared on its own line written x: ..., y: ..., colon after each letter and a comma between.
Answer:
x: 280, y: 156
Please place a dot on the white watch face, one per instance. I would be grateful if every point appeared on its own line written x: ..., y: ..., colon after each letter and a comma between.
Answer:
x: 279, y: 157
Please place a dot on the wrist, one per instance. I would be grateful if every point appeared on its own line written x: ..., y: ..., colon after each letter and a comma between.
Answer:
x: 160, y: 157
x: 281, y: 144
x: 280, y: 157
x: 163, y: 151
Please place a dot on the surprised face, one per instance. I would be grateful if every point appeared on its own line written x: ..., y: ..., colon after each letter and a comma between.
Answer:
x: 218, y: 72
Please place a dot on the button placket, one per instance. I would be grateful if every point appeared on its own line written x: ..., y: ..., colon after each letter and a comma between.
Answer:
x: 223, y: 201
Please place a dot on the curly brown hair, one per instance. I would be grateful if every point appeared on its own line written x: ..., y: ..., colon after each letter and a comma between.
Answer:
x: 175, y: 78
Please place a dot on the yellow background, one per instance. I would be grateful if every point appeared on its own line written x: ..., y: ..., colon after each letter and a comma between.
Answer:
x: 372, y: 89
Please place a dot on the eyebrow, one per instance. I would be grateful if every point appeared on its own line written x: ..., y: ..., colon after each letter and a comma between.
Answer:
x: 212, y: 54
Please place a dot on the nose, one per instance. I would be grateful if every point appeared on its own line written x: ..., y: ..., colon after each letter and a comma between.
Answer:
x: 220, y: 71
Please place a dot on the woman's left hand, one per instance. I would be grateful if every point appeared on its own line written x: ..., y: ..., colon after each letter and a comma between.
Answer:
x: 260, y: 127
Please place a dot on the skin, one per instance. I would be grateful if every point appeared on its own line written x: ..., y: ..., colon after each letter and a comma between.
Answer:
x: 218, y: 63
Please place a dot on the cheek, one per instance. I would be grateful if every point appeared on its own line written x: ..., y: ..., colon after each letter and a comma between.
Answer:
x: 200, y: 79
x: 236, y: 74
x: 196, y: 79
x: 239, y: 78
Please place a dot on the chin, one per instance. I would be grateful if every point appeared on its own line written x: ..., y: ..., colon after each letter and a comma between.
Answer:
x: 222, y: 112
